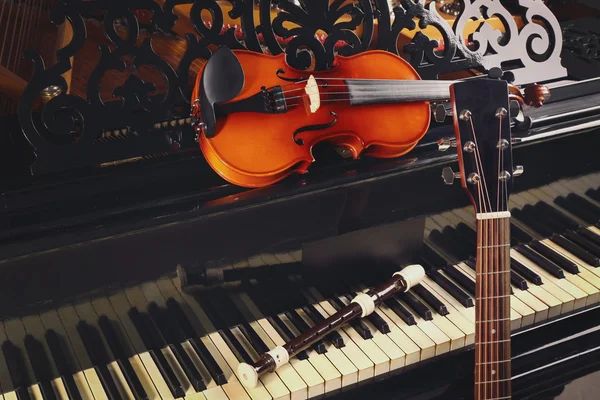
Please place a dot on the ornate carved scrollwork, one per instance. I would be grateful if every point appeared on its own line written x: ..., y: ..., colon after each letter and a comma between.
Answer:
x: 143, y: 116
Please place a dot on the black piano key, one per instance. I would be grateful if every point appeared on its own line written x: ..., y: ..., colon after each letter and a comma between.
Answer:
x: 17, y: 369
x: 518, y: 235
x: 584, y: 203
x: 575, y: 209
x: 98, y: 357
x: 165, y: 330
x: 515, y: 279
x: 416, y: 305
x: 447, y: 244
x: 449, y: 286
x: 594, y: 194
x: 203, y: 353
x: 140, y: 323
x: 566, y: 221
x: 464, y: 237
x: 63, y: 365
x: 544, y: 218
x: 334, y: 337
x: 467, y: 232
x: 401, y: 311
x: 464, y: 281
x: 525, y: 272
x: 358, y: 325
x: 433, y: 256
x: 576, y: 250
x: 531, y: 222
x: 555, y: 257
x: 430, y: 299
x: 41, y: 366
x: 541, y: 261
x: 583, y: 242
x: 124, y: 364
x: 589, y: 235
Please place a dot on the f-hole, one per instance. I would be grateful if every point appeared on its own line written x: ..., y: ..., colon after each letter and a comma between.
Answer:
x: 281, y: 72
x: 316, y: 127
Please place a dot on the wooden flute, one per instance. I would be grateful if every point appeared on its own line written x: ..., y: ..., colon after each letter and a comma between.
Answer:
x: 362, y: 305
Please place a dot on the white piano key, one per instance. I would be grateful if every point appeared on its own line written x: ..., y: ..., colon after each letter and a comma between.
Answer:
x: 34, y: 392
x: 585, y: 270
x: 442, y: 342
x: 11, y: 396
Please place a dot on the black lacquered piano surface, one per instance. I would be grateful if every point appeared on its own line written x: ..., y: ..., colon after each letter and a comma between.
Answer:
x: 91, y: 306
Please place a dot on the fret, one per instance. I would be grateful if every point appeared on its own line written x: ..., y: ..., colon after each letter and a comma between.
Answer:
x: 494, y: 362
x: 492, y: 273
x: 492, y: 320
x: 494, y: 297
x: 487, y: 382
x: 494, y: 246
x: 495, y: 341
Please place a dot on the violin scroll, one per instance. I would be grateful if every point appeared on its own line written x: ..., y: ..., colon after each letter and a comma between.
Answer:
x: 532, y: 95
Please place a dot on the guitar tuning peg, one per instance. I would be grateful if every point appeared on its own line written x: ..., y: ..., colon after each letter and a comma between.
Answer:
x: 445, y: 143
x: 448, y: 175
x: 518, y: 171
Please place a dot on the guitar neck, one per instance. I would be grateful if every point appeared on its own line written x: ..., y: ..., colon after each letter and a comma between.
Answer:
x: 492, y: 332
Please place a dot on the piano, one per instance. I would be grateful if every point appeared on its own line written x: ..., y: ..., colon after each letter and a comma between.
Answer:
x: 124, y: 282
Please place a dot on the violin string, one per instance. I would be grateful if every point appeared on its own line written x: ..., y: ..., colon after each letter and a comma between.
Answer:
x: 384, y: 84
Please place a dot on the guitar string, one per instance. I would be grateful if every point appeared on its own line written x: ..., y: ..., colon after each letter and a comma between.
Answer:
x: 8, y: 19
x: 23, y: 33
x: 10, y: 53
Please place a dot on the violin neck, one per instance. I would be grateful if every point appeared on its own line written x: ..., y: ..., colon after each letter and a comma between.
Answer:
x: 373, y: 91
x: 492, y: 330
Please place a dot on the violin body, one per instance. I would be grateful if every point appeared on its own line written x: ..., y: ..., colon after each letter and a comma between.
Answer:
x: 253, y: 149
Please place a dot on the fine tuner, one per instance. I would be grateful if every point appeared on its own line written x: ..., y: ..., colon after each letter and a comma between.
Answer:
x: 361, y: 306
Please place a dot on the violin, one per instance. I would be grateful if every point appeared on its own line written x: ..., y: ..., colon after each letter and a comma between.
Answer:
x: 257, y: 119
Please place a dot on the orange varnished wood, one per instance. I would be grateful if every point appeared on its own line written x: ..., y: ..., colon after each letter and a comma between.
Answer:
x: 253, y: 150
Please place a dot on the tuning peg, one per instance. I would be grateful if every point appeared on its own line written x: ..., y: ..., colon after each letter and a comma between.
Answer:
x: 448, y: 175
x: 518, y: 171
x: 441, y: 112
x: 445, y: 143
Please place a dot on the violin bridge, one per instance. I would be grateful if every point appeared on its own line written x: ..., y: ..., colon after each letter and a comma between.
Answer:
x: 312, y: 93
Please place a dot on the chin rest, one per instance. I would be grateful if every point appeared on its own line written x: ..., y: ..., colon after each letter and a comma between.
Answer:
x: 222, y: 80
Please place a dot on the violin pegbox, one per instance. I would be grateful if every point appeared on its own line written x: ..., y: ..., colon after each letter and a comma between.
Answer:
x: 481, y: 113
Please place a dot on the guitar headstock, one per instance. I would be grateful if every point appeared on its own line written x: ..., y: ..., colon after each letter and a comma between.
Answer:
x: 481, y: 115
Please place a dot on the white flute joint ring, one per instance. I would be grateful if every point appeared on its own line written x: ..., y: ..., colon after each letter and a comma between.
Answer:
x: 412, y: 274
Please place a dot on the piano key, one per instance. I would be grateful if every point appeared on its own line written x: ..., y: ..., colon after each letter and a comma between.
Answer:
x: 194, y: 313
x: 577, y: 250
x: 397, y: 358
x: 556, y: 287
x: 455, y: 315
x: 563, y: 219
x: 540, y: 261
x: 400, y: 310
x: 515, y: 279
x: 467, y: 284
x: 555, y: 257
x: 586, y: 271
x: 589, y: 235
x: 416, y: 305
x: 525, y: 272
x: 430, y: 299
x: 518, y: 235
x: 575, y: 209
x: 544, y: 218
x: 531, y: 222
x: 594, y: 194
x: 583, y: 242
